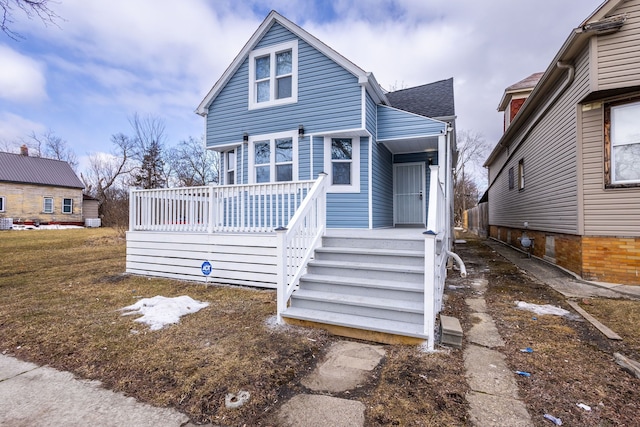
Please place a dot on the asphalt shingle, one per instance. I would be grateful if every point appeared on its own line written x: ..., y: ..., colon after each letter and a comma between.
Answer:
x: 431, y: 100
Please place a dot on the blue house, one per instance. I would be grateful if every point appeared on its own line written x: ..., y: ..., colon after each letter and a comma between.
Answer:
x: 314, y: 155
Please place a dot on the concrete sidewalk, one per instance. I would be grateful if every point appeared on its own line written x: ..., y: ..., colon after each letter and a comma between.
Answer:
x: 563, y: 281
x: 32, y: 395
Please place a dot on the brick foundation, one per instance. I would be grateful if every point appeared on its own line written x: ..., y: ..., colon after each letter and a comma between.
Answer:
x: 602, y: 259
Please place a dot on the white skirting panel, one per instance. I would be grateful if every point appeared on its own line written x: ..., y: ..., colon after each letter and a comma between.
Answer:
x: 236, y: 259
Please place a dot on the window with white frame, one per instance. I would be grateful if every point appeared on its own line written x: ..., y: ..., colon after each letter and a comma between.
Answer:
x: 622, y: 144
x: 521, y: 174
x: 273, y: 75
x: 67, y: 206
x: 342, y: 164
x: 2, y: 202
x: 230, y: 157
x: 47, y: 206
x: 271, y: 158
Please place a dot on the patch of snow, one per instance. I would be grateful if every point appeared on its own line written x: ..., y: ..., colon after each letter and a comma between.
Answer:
x: 44, y: 227
x: 160, y: 311
x: 543, y: 309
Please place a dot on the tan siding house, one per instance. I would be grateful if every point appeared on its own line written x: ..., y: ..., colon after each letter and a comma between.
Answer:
x: 36, y: 190
x: 568, y: 164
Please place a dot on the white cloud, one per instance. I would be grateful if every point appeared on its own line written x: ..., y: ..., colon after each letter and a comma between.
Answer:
x: 22, y: 79
x: 13, y: 128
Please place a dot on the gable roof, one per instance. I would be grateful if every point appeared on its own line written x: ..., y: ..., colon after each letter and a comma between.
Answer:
x: 364, y: 78
x: 524, y: 85
x: 434, y: 100
x: 37, y: 170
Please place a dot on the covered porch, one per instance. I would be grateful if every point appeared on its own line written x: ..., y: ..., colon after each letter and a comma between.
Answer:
x: 265, y: 235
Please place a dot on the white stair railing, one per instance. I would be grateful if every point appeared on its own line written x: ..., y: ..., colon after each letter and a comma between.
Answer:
x: 435, y: 256
x: 297, y: 241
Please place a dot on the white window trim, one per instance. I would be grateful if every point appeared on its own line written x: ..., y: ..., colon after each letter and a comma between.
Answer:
x: 355, y: 165
x: 228, y: 167
x: 44, y: 205
x: 67, y: 198
x: 271, y: 51
x: 613, y: 144
x: 272, y: 154
x: 3, y: 201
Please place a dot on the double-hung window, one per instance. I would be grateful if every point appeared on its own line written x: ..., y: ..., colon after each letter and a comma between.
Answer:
x: 521, y: 174
x: 622, y: 144
x: 342, y: 163
x: 230, y: 158
x: 273, y: 75
x: 67, y: 206
x: 272, y: 158
x: 47, y: 206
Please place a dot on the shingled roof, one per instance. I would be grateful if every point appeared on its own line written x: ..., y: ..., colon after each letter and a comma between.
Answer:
x: 434, y: 100
x: 23, y: 169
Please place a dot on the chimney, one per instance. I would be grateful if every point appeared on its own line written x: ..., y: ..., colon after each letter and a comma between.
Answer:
x: 24, y: 150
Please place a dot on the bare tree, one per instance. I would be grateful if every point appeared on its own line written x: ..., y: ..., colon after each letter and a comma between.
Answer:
x: 468, y: 173
x: 107, y: 180
x: 31, y: 8
x: 193, y: 164
x: 53, y: 147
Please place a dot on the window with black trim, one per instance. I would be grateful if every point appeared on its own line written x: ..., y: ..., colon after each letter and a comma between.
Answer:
x: 2, y: 204
x: 622, y: 144
x: 67, y: 206
x: 521, y: 174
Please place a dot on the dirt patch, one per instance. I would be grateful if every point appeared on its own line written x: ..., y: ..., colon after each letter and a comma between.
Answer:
x: 572, y: 362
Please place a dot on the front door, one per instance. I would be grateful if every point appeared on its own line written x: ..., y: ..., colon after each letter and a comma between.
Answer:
x: 408, y: 194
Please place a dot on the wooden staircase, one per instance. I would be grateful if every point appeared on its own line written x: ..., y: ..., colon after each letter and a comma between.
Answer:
x: 364, y: 287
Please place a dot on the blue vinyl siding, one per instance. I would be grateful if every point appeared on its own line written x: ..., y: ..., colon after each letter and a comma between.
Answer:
x: 371, y: 117
x: 420, y: 158
x: 350, y: 210
x: 382, y: 185
x: 329, y: 98
x: 304, y: 159
x: 394, y: 124
x: 318, y: 155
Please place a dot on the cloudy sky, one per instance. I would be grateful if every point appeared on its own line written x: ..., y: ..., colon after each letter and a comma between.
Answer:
x: 108, y: 59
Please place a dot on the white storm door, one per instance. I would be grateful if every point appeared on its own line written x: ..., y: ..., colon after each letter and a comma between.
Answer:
x: 408, y: 194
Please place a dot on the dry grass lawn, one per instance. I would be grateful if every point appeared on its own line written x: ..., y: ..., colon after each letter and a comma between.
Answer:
x: 62, y: 291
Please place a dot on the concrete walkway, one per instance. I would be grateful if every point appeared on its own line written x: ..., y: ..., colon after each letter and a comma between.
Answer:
x: 32, y: 395
x: 346, y: 366
x: 493, y: 399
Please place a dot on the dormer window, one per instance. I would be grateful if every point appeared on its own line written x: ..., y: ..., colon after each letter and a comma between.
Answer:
x: 273, y: 75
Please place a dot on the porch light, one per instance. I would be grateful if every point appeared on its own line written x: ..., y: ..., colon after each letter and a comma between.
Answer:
x: 245, y: 137
x: 300, y: 130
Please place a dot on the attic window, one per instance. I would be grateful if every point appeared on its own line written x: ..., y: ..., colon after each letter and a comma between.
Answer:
x: 273, y: 75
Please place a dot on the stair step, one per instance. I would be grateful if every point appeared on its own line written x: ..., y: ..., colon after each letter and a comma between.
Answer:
x: 357, y: 322
x: 366, y: 255
x: 415, y: 306
x: 405, y: 310
x: 374, y: 243
x: 367, y: 284
x: 367, y: 270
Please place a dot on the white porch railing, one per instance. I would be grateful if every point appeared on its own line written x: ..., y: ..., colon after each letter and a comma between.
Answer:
x: 298, y: 241
x: 435, y: 255
x: 208, y: 209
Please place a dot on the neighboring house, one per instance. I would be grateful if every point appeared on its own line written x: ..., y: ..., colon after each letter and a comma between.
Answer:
x: 313, y: 153
x: 568, y: 164
x: 35, y: 190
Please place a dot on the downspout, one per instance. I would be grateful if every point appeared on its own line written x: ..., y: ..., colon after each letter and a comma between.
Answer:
x: 456, y: 257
